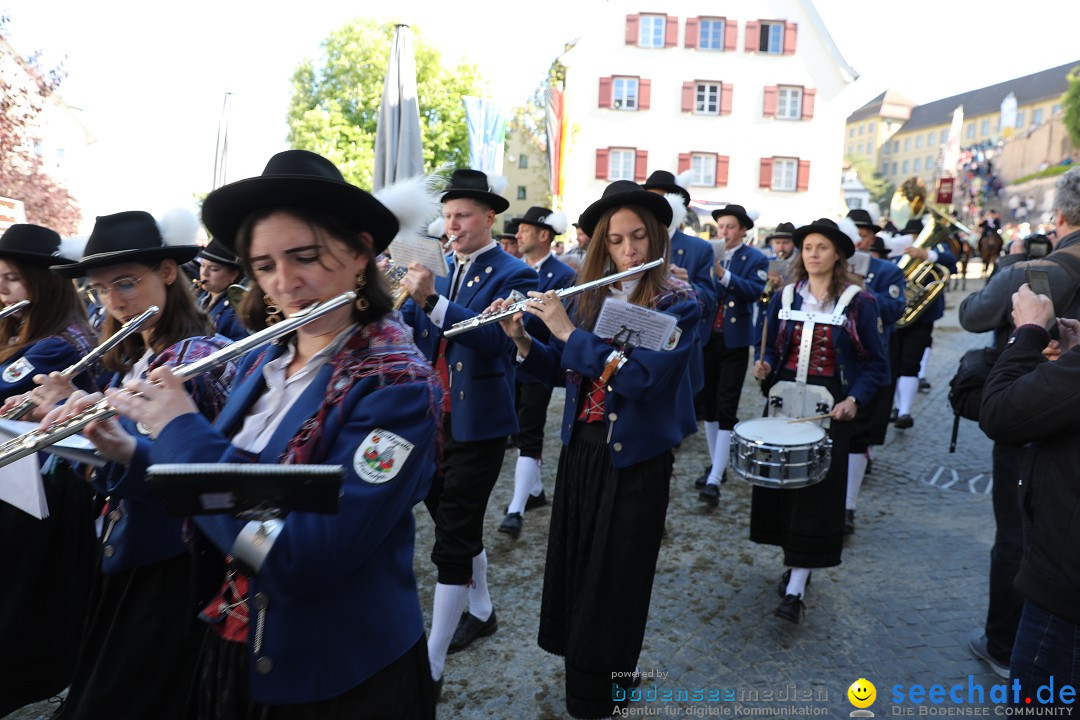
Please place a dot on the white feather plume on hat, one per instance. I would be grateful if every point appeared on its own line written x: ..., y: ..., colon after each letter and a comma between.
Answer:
x: 684, y: 178
x: 73, y: 248
x: 497, y: 184
x: 875, y: 212
x: 557, y: 221
x: 848, y: 227
x: 753, y: 215
x: 436, y: 228
x: 678, y: 211
x: 178, y: 227
x: 413, y: 202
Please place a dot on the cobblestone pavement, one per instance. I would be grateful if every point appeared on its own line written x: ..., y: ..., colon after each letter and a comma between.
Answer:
x: 898, y: 610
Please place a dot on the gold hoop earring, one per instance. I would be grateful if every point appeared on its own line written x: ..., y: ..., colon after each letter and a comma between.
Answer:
x: 273, y: 312
x: 361, y: 303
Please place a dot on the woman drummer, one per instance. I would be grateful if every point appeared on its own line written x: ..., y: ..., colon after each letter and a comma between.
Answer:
x: 625, y: 411
x: 142, y: 612
x: 335, y: 625
x: 41, y: 612
x: 848, y: 361
x: 219, y: 270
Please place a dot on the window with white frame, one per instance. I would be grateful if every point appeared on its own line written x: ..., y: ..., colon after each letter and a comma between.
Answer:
x: 772, y: 37
x: 1055, y: 109
x: 851, y: 149
x: 652, y: 31
x: 906, y: 166
x: 711, y: 34
x: 970, y: 131
x: 624, y: 93
x: 621, y: 164
x: 1020, y: 118
x: 789, y: 103
x: 896, y: 146
x: 907, y: 144
x: 918, y: 165
x: 785, y: 173
x: 871, y: 128
x: 860, y: 148
x: 862, y: 128
x: 929, y: 162
x: 851, y: 132
x: 930, y: 138
x: 893, y: 169
x: 703, y: 167
x: 707, y: 99
x: 918, y: 142
x: 853, y: 203
x: 984, y: 127
x: 1036, y: 116
x: 884, y: 168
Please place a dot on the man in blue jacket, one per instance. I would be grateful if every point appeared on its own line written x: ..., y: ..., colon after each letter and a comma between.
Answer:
x: 741, y: 278
x: 479, y: 412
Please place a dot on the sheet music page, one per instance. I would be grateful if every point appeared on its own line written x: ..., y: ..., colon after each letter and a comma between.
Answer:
x: 651, y: 329
x: 20, y: 486
x: 426, y: 251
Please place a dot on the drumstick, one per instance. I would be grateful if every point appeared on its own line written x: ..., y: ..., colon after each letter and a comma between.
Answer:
x: 812, y: 418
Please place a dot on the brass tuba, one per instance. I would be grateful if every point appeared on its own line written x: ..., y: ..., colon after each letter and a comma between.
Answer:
x: 925, y: 280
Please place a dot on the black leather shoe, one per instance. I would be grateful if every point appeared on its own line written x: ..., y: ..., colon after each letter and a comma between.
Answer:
x: 700, y: 482
x: 893, y: 415
x: 791, y: 608
x: 438, y: 690
x: 472, y: 628
x: 869, y: 466
x: 532, y: 502
x: 511, y: 525
x: 904, y: 421
x: 849, y: 522
x: 781, y: 589
x: 710, y: 494
x: 924, y: 385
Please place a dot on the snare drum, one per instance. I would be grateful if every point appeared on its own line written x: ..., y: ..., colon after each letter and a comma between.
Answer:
x: 776, y: 453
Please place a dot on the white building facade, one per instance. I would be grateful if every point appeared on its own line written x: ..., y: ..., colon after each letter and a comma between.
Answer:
x: 740, y: 93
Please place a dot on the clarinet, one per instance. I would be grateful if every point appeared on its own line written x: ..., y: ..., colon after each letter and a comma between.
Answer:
x: 35, y: 440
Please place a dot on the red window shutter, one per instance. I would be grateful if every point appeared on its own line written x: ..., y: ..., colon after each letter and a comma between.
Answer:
x: 726, y: 90
x: 690, y: 39
x: 641, y: 165
x: 790, y: 29
x: 602, y: 163
x: 803, y: 180
x: 808, y: 103
x: 684, y: 162
x: 671, y: 32
x: 753, y: 36
x: 731, y: 34
x: 722, y: 162
x: 771, y: 93
x: 765, y: 173
x: 688, y: 90
x: 632, y: 24
x: 605, y: 92
x: 644, y: 94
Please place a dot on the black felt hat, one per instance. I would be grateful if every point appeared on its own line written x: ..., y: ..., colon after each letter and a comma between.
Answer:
x: 913, y: 227
x: 216, y: 252
x: 465, y: 183
x: 509, y: 229
x: 543, y: 217
x: 783, y: 230
x: 829, y: 229
x: 862, y: 218
x: 877, y: 245
x: 737, y: 211
x: 663, y: 180
x: 297, y: 178
x: 131, y: 236
x: 619, y: 194
x: 32, y: 244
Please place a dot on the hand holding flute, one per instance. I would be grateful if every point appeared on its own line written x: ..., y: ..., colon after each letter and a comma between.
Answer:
x: 110, y: 439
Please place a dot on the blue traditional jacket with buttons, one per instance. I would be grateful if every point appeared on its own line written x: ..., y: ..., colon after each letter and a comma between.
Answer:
x: 52, y: 353
x: 223, y: 316
x: 334, y: 599
x: 479, y: 362
x: 137, y: 530
x: 648, y: 403
x: 749, y: 271
x: 696, y: 257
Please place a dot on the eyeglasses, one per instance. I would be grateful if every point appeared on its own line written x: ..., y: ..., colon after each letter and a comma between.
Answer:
x: 124, y: 286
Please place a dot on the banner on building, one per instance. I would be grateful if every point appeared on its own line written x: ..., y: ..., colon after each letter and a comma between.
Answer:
x: 945, y: 191
x: 555, y: 110
x: 486, y: 123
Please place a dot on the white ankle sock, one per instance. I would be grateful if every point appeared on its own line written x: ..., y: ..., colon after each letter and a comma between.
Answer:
x: 720, y: 456
x: 710, y: 436
x: 479, y: 597
x: 445, y: 614
x: 856, y: 469
x: 906, y: 388
x: 797, y: 584
x: 526, y: 476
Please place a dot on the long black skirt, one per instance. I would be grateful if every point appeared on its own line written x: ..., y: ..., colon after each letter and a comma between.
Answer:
x: 606, y: 528
x: 48, y: 572
x: 403, y: 690
x: 142, y: 641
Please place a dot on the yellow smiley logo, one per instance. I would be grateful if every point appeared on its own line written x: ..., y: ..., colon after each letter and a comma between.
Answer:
x: 862, y: 693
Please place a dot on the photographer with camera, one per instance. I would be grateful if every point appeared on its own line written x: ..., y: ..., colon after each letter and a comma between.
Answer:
x: 990, y: 309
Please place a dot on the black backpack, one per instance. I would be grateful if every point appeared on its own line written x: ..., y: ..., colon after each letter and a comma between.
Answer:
x: 966, y: 386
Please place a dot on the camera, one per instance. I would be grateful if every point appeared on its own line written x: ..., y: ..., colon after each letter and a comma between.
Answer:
x: 1037, y: 246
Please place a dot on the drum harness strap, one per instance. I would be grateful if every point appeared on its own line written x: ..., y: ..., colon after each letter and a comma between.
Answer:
x: 809, y: 319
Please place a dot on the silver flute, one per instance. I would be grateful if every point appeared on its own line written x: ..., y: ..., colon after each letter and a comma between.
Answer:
x: 13, y: 308
x: 35, y: 440
x: 132, y: 325
x: 482, y: 320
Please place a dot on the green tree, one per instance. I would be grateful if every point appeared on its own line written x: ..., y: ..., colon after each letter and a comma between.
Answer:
x: 335, y: 105
x: 1070, y: 102
x: 881, y: 190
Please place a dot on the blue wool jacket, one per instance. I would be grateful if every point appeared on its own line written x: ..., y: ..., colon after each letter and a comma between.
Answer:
x: 749, y: 271
x: 696, y: 257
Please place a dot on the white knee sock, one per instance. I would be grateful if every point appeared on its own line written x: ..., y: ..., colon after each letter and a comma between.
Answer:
x: 526, y: 476
x: 906, y: 387
x: 711, y: 428
x: 797, y: 584
x: 445, y: 614
x: 924, y: 362
x: 720, y: 456
x: 538, y: 484
x: 856, y: 470
x: 479, y: 597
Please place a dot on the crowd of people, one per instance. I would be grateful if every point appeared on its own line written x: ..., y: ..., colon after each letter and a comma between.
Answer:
x: 418, y: 397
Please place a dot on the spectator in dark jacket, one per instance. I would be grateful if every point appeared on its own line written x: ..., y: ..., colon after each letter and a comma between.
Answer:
x: 1032, y: 401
